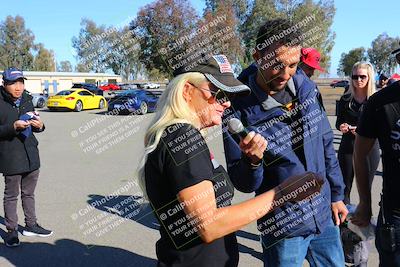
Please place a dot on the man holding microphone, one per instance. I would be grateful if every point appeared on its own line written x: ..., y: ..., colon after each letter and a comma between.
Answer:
x: 284, y: 109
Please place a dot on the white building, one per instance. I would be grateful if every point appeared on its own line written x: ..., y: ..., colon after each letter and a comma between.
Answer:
x: 37, y: 81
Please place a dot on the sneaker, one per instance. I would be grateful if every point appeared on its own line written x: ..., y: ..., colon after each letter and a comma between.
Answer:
x: 11, y: 239
x: 36, y: 230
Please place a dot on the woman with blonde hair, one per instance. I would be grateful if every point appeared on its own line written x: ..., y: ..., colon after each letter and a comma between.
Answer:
x: 189, y: 191
x: 361, y: 87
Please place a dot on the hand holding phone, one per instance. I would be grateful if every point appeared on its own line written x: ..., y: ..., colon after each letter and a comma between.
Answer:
x: 33, y: 115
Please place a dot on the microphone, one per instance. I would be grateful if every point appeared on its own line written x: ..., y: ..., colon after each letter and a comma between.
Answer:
x: 235, y: 126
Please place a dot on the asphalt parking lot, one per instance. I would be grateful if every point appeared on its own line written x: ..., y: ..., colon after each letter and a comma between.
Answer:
x: 88, y: 194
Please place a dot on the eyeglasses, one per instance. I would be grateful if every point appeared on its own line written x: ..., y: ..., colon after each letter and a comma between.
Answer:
x: 355, y: 77
x: 218, y: 96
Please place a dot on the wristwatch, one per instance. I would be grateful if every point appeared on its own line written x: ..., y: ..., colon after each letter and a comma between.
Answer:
x: 252, y: 165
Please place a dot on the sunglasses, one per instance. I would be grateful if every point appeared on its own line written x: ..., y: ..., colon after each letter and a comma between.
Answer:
x: 355, y: 77
x: 218, y: 96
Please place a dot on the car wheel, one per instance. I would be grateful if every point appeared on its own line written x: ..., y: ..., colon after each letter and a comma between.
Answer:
x: 40, y: 103
x: 78, y: 106
x: 143, y: 108
x: 101, y: 104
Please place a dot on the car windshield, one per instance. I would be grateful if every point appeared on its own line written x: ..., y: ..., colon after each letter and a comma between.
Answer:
x: 65, y: 92
x: 131, y: 94
x: 128, y: 94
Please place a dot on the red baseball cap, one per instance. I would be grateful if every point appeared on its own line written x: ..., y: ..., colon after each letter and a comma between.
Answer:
x: 311, y: 57
x: 395, y: 77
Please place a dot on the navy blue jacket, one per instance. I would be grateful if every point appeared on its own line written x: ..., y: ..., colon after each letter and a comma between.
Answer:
x: 264, y: 115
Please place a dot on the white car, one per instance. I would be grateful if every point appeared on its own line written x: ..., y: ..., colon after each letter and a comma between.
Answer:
x: 151, y: 86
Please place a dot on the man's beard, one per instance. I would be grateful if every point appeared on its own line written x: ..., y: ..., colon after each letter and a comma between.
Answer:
x: 276, y: 88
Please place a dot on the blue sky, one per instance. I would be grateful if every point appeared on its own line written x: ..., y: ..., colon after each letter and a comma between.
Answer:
x: 54, y: 23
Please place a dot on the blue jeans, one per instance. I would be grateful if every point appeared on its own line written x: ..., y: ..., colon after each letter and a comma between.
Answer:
x: 391, y: 259
x: 323, y: 249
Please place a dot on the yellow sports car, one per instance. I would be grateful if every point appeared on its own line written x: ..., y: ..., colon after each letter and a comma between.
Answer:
x: 76, y: 99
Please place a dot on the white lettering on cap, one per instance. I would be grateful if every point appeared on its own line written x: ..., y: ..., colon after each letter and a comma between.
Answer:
x: 223, y: 63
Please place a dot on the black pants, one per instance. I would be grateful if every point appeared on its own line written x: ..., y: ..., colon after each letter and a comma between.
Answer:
x: 346, y: 165
x: 386, y: 258
x: 27, y: 182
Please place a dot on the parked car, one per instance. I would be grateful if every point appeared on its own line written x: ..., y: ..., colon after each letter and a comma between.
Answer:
x: 110, y: 87
x: 76, y: 99
x: 151, y: 86
x: 141, y: 101
x: 88, y: 86
x: 128, y: 86
x: 39, y: 100
x: 341, y: 83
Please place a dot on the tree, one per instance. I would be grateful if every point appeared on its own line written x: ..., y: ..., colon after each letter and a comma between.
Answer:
x: 379, y: 53
x: 222, y: 35
x: 80, y: 67
x: 124, y: 56
x: 261, y: 10
x: 240, y: 8
x: 164, y: 30
x: 102, y: 48
x: 65, y: 66
x: 90, y: 46
x: 16, y: 44
x: 316, y: 19
x: 44, y: 59
x: 347, y: 60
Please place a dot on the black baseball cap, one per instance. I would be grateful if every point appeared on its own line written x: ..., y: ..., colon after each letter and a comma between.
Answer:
x: 383, y: 76
x: 396, y: 53
x: 218, y: 71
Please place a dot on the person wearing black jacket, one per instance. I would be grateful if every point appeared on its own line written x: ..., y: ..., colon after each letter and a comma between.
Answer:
x: 348, y: 112
x: 19, y: 155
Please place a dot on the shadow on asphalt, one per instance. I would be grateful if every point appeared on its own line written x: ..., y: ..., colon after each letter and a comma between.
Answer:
x: 337, y: 138
x: 141, y: 212
x: 251, y: 251
x: 248, y: 250
x: 65, y: 110
x: 248, y: 235
x: 119, y: 114
x: 67, y: 252
x: 130, y: 207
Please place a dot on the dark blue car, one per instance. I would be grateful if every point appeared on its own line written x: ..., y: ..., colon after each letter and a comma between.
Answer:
x: 138, y: 101
x: 88, y: 86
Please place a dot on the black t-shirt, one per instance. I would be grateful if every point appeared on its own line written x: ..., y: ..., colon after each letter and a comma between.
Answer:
x: 375, y: 123
x: 283, y: 96
x: 288, y: 100
x: 349, y: 111
x: 182, y: 159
